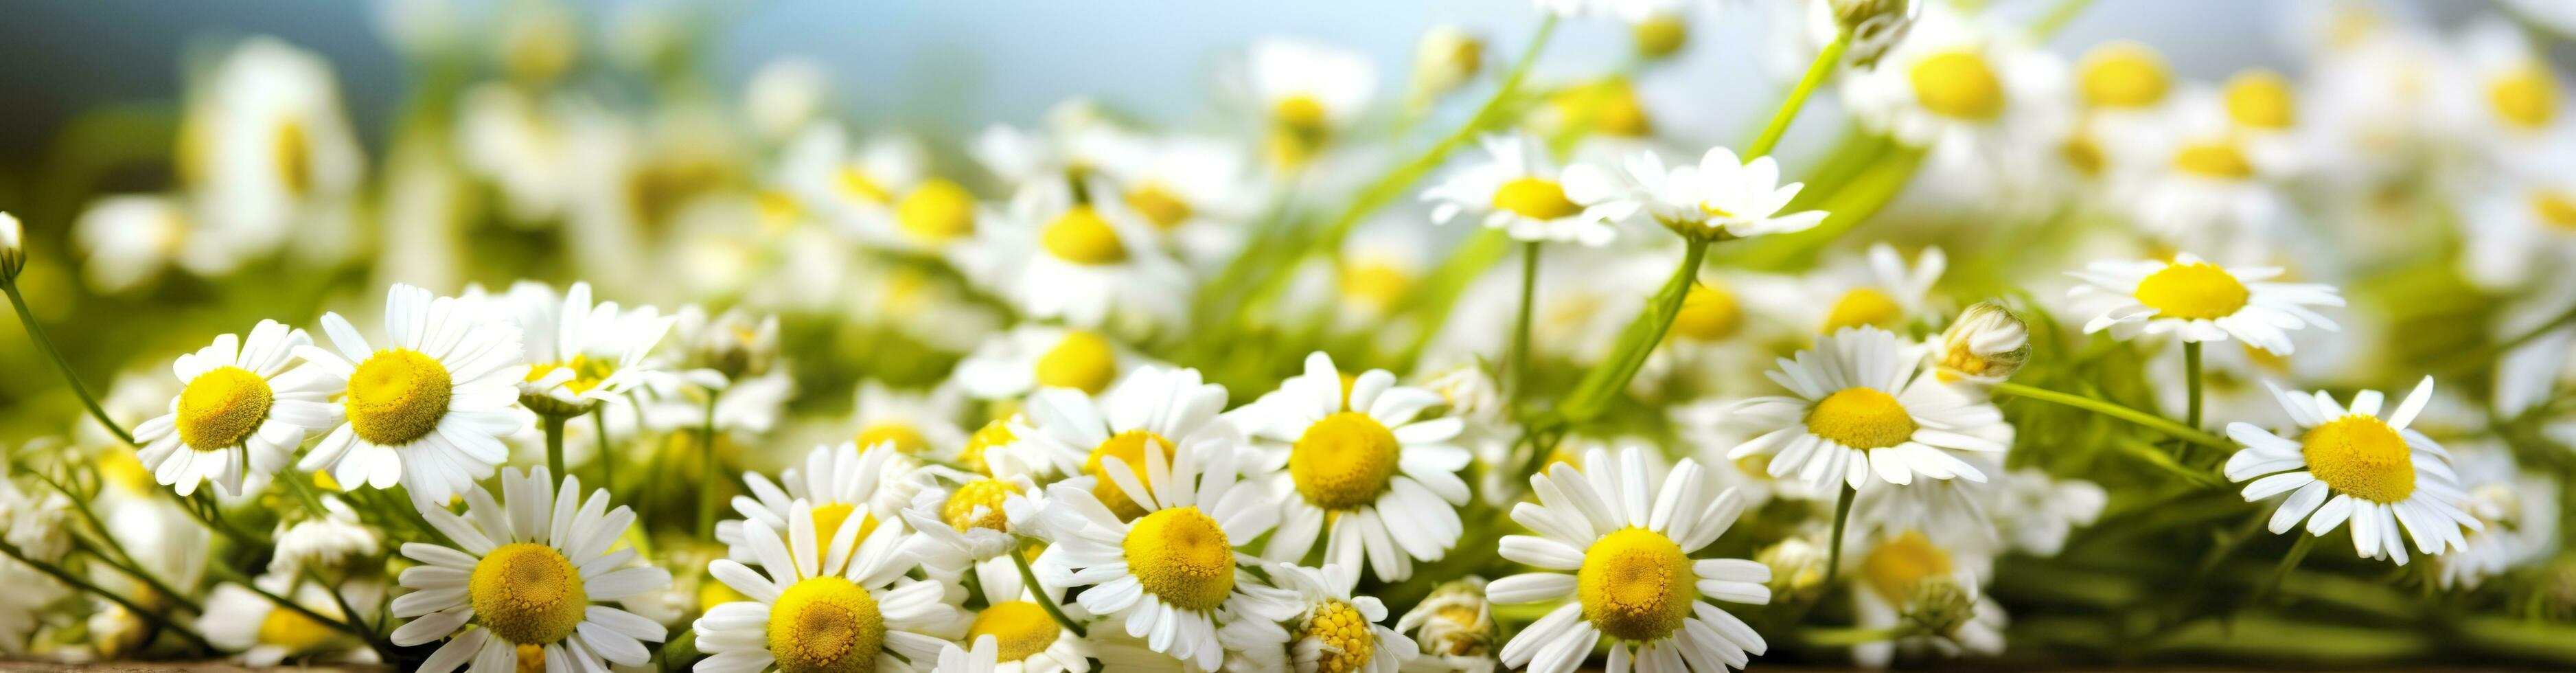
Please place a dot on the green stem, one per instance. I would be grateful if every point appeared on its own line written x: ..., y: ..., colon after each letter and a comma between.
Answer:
x: 2191, y: 383
x: 1849, y: 636
x: 1592, y: 396
x: 36, y: 333
x: 554, y: 444
x: 1046, y: 599
x: 1817, y: 70
x: 129, y: 569
x: 2534, y: 333
x: 302, y: 487
x: 1519, y: 355
x: 709, y: 473
x: 2057, y: 18
x: 1842, y: 521
x: 156, y: 617
x: 2298, y: 552
x: 2152, y: 421
x: 607, y: 457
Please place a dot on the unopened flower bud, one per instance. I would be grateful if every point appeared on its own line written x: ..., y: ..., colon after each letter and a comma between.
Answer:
x: 1447, y: 58
x: 13, y: 247
x: 1985, y: 345
x: 1939, y: 605
x: 1453, y: 622
x: 1661, y: 35
x: 1797, y: 569
x: 1873, y: 26
x: 732, y: 344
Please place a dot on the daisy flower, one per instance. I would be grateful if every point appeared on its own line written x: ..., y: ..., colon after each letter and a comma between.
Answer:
x: 916, y: 423
x: 265, y: 634
x: 973, y: 522
x: 877, y: 190
x: 1086, y: 265
x: 1970, y: 93
x: 1907, y: 576
x: 263, y: 143
x: 1519, y: 190
x: 244, y: 409
x: 1309, y: 91
x: 1376, y: 481
x: 1027, y: 639
x: 427, y: 409
x: 1453, y: 627
x: 127, y: 241
x: 1192, y: 190
x: 1168, y: 410
x: 2519, y: 512
x: 2509, y: 98
x: 2389, y: 481
x: 1334, y: 631
x: 1880, y: 289
x: 1617, y: 539
x: 2518, y: 225
x: 1029, y: 356
x: 1984, y: 346
x: 836, y: 483
x: 581, y: 354
x: 527, y: 577
x: 1174, y: 574
x: 2201, y: 301
x: 836, y: 603
x: 2208, y: 187
x: 329, y: 542
x: 1723, y: 197
x: 1858, y: 407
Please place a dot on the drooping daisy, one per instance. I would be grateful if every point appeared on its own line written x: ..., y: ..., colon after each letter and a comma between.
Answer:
x: 266, y: 634
x: 1907, y: 576
x: 836, y: 483
x: 581, y: 354
x: 1174, y: 574
x: 1519, y: 190
x: 244, y: 410
x: 824, y: 603
x: 1167, y: 410
x: 1617, y: 539
x: 527, y: 579
x: 1861, y: 408
x: 1090, y: 267
x: 1333, y: 630
x: 1375, y: 481
x: 2389, y: 481
x: 1723, y: 197
x: 2200, y: 301
x: 1310, y: 92
x: 1029, y: 356
x: 427, y: 409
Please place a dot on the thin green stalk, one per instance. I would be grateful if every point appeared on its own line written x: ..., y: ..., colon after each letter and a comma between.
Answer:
x: 607, y: 455
x: 2534, y: 333
x: 302, y: 487
x: 1592, y: 396
x: 1817, y: 70
x: 1519, y: 354
x: 156, y: 617
x: 2152, y: 421
x: 2191, y: 383
x: 1046, y: 599
x: 709, y: 472
x: 1842, y: 520
x: 80, y: 505
x: 36, y: 333
x: 554, y: 443
x: 129, y: 569
x: 1849, y: 636
x: 2289, y: 562
x: 236, y: 577
x: 2058, y: 17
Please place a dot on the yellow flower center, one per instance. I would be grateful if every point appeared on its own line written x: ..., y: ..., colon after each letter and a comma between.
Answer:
x: 1861, y: 307
x: 902, y: 435
x: 1535, y: 199
x: 397, y: 395
x: 587, y: 372
x: 1861, y: 418
x: 532, y: 658
x: 1082, y: 237
x: 294, y: 158
x: 2195, y: 291
x: 977, y: 504
x: 1635, y: 584
x: 295, y: 632
x: 1609, y: 106
x: 1708, y: 314
x: 1344, y: 632
x: 2262, y: 99
x: 1958, y: 84
x: 938, y: 211
x: 1344, y: 461
x: 826, y: 625
x: 2361, y: 456
x: 1376, y: 286
x: 2555, y: 208
x: 2213, y: 158
x: 1082, y: 361
x: 1182, y: 557
x: 828, y: 520
x: 1300, y: 113
x: 2124, y: 75
x: 994, y: 434
x: 527, y: 594
x: 856, y: 184
x: 1660, y: 35
x: 2084, y: 154
x: 1893, y: 568
x: 1128, y: 446
x: 2526, y: 97
x: 222, y: 408
x: 1021, y: 628
x: 1159, y: 205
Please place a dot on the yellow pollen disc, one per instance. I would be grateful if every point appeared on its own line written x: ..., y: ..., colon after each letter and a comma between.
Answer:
x: 222, y: 408
x: 1893, y: 568
x: 1128, y: 446
x: 994, y: 434
x: 1861, y: 418
x: 1535, y: 199
x: 2083, y: 154
x: 1635, y: 584
x: 1864, y: 307
x: 1348, y: 380
x: 532, y: 659
x: 2195, y: 291
x: 587, y: 372
x: 902, y: 435
x: 778, y: 210
x: 2262, y: 99
x: 713, y: 593
x: 1346, y: 636
x: 828, y: 520
x: 2526, y: 97
x: 855, y: 183
x: 961, y: 510
x: 1375, y: 286
x: 1082, y: 361
x: 1756, y: 466
x: 1344, y: 461
x: 1021, y: 628
x: 527, y: 593
x: 2217, y: 159
x: 2555, y: 208
x: 1082, y: 237
x: 1609, y: 106
x: 1958, y: 84
x: 1182, y: 558
x: 1708, y: 314
x: 1299, y: 113
x: 938, y: 211
x: 1159, y: 205
x: 826, y: 625
x: 397, y: 395
x: 2124, y: 75
x: 293, y: 631
x: 294, y: 158
x: 1660, y: 35
x: 2361, y: 456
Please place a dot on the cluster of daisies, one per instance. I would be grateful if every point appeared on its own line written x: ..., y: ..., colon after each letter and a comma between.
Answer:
x: 1498, y: 375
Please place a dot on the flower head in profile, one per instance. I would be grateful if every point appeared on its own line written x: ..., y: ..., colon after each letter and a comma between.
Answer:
x: 1310, y: 92
x: 245, y: 409
x: 580, y: 353
x: 2200, y: 301
x: 1722, y: 197
x: 1985, y: 345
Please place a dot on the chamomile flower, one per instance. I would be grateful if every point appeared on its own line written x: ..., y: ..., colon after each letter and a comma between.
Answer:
x: 1192, y: 190
x: 973, y: 522
x: 1617, y: 539
x: 2390, y: 482
x: 581, y: 354
x: 1860, y: 407
x: 1030, y: 356
x: 1309, y: 91
x: 824, y: 603
x: 1089, y: 266
x: 1722, y: 197
x: 328, y: 543
x: 2520, y: 226
x: 1167, y: 410
x: 246, y: 408
x: 1453, y: 627
x: 264, y: 144
x: 917, y: 423
x: 1519, y: 190
x: 1984, y: 346
x: 267, y: 634
x: 2519, y: 513
x: 2200, y: 301
x: 2211, y: 191
x: 865, y: 187
x: 1378, y: 483
x: 1880, y: 289
x: 427, y: 406
x: 1907, y: 576
x: 2509, y: 97
x: 527, y: 579
x: 1173, y: 573
x: 1333, y: 630
x: 1027, y: 639
x: 1978, y: 98
x: 128, y: 240
x: 2036, y: 512
x: 835, y: 484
